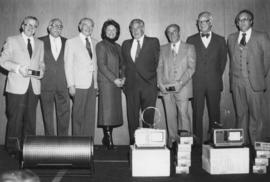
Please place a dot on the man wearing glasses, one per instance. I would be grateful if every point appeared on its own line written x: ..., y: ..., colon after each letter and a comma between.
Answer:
x: 81, y: 73
x: 249, y: 52
x: 22, y: 57
x: 54, y: 89
x: 211, y: 57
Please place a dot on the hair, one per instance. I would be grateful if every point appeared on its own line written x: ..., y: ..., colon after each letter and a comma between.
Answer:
x: 104, y: 27
x: 236, y: 20
x: 85, y: 19
x: 51, y: 23
x: 28, y: 18
x: 137, y: 20
x: 20, y: 176
x: 172, y: 25
x: 206, y: 13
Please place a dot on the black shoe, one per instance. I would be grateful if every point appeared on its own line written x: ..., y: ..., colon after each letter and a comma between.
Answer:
x: 107, y: 140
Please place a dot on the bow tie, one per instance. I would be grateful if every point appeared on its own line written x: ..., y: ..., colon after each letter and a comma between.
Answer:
x: 205, y: 35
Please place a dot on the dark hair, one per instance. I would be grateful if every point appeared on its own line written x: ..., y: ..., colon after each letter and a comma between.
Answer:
x: 20, y: 176
x: 104, y: 27
x: 244, y: 11
x: 137, y: 20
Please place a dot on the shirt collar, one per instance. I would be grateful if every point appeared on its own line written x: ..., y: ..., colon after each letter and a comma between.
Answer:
x: 177, y: 44
x: 210, y: 34
x: 83, y: 37
x: 248, y: 32
x: 140, y: 39
x: 26, y: 37
x: 53, y: 38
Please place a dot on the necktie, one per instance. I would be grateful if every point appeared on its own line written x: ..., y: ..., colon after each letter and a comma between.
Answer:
x: 138, y: 49
x: 205, y: 35
x: 88, y: 47
x: 29, y: 47
x: 243, y: 40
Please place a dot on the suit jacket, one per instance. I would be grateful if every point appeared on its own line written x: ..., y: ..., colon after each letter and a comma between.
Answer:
x: 258, y: 58
x: 15, y: 54
x: 178, y: 69
x: 54, y: 76
x: 79, y: 68
x: 210, y: 61
x: 145, y: 65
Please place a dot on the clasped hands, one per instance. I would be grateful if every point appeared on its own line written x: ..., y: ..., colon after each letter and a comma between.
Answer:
x: 164, y: 89
x: 119, y: 82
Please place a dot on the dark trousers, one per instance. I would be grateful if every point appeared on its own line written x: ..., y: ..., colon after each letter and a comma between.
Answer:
x: 21, y: 115
x: 84, y: 111
x: 62, y: 108
x: 249, y: 111
x: 212, y: 97
x: 140, y: 97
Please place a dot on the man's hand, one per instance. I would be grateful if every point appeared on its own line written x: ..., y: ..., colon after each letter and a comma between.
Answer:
x: 72, y: 90
x: 178, y: 86
x: 23, y: 70
x: 118, y: 82
x: 162, y: 89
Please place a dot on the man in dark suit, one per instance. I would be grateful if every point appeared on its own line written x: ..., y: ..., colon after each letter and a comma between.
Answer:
x: 211, y: 54
x: 249, y: 52
x: 21, y: 55
x: 141, y: 55
x: 54, y: 85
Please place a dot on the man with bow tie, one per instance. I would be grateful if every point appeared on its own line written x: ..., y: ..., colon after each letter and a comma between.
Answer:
x: 177, y: 62
x: 249, y: 52
x: 211, y: 57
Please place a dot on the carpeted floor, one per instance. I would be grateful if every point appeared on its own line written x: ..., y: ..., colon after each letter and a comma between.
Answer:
x: 113, y: 166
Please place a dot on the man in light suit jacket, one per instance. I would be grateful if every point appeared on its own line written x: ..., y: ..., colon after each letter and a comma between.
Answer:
x: 176, y: 66
x: 211, y: 58
x: 81, y: 74
x: 249, y: 52
x: 22, y: 56
x: 54, y: 85
x: 141, y: 56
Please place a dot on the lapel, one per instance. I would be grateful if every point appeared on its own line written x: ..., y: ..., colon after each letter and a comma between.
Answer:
x: 81, y: 47
x: 181, y: 51
x: 234, y: 42
x: 47, y: 45
x: 24, y: 47
x: 129, y: 45
x: 35, y: 48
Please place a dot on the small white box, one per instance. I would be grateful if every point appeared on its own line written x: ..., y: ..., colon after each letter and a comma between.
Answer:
x: 184, y: 148
x: 259, y: 169
x: 150, y: 162
x: 261, y: 161
x: 181, y: 170
x: 184, y: 162
x: 183, y: 155
x: 263, y: 153
x: 225, y: 160
x: 186, y: 140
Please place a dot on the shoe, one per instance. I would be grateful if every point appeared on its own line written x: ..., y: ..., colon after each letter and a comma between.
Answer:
x: 107, y: 140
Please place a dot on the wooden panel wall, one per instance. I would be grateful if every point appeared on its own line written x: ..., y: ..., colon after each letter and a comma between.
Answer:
x: 157, y: 14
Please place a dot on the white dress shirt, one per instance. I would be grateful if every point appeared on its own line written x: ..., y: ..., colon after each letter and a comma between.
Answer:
x: 248, y: 34
x: 134, y: 47
x: 32, y: 42
x: 175, y: 46
x: 56, y: 45
x: 84, y: 41
x: 205, y: 40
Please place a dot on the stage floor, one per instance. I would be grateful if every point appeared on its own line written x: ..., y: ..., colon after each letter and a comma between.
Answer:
x: 114, y: 166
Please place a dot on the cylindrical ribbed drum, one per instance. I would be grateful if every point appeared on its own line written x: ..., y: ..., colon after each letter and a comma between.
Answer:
x: 40, y: 151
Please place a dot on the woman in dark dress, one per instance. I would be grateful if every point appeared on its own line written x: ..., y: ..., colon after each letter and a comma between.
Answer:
x: 110, y: 81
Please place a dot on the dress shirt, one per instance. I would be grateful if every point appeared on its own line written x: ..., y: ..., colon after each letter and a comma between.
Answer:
x: 25, y: 38
x: 56, y: 45
x: 205, y: 40
x: 176, y: 46
x: 134, y: 47
x: 83, y: 37
x: 248, y: 34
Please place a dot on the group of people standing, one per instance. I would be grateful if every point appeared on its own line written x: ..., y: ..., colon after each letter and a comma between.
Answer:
x: 81, y: 67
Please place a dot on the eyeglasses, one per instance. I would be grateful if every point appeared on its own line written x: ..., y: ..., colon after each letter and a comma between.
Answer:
x: 58, y: 26
x: 203, y: 21
x: 30, y: 25
x: 243, y: 20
